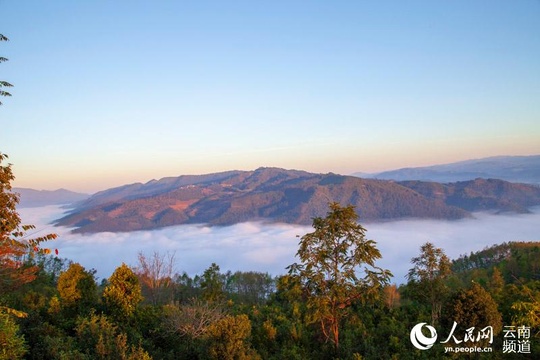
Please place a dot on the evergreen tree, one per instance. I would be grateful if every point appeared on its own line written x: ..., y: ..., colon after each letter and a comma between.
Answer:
x: 12, y: 345
x: 77, y: 289
x: 330, y: 260
x: 428, y: 278
x: 212, y: 284
x: 228, y: 339
x: 123, y: 293
x: 472, y: 308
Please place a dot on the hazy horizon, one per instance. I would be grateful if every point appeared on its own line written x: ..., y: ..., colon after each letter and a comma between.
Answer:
x: 110, y: 93
x: 144, y: 181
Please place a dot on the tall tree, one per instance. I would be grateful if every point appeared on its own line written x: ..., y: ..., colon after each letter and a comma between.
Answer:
x: 14, y: 242
x: 472, y: 308
x: 123, y: 293
x: 4, y: 84
x: 77, y: 289
x: 12, y: 346
x: 228, y: 339
x: 331, y: 258
x: 212, y: 284
x: 427, y: 278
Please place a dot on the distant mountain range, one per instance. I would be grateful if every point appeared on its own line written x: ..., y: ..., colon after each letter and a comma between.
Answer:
x: 523, y: 169
x: 36, y: 198
x: 290, y: 196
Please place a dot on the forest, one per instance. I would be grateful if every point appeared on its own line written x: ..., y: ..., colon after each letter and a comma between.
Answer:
x: 334, y: 303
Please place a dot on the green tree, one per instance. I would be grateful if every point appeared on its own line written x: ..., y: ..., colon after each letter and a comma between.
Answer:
x: 212, y: 284
x: 123, y: 293
x: 496, y: 284
x: 4, y: 84
x: 228, y: 339
x: 427, y: 278
x: 526, y: 311
x: 472, y: 308
x: 77, y: 289
x: 101, y: 339
x: 12, y: 345
x: 250, y: 287
x: 331, y: 258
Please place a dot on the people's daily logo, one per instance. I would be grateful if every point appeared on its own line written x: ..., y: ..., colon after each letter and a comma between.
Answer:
x: 419, y: 340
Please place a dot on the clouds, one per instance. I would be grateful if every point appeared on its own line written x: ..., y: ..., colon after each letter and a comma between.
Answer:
x: 272, y: 247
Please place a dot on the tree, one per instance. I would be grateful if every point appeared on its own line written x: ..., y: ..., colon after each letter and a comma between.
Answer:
x: 391, y: 296
x: 77, y: 289
x: 123, y: 293
x: 14, y: 242
x: 427, y: 278
x: 250, y: 287
x: 472, y: 308
x: 212, y: 284
x: 192, y: 319
x: 330, y: 260
x: 228, y: 339
x: 155, y: 275
x: 4, y: 84
x: 101, y: 339
x: 12, y: 344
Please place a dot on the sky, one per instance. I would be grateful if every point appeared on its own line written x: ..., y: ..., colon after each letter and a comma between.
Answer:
x: 114, y: 92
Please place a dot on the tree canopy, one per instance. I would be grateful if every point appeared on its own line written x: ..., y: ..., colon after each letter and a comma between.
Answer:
x: 332, y: 257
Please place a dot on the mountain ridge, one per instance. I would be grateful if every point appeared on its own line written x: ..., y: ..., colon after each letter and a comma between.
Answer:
x: 524, y: 169
x: 290, y: 196
x: 37, y: 198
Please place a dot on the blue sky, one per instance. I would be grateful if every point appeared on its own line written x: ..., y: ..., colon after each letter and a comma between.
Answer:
x: 114, y: 92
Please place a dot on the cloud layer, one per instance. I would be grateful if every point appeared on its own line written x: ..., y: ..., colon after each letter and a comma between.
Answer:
x: 272, y: 247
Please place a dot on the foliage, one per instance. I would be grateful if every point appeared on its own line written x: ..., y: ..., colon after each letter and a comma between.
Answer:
x: 428, y: 276
x: 527, y: 311
x: 123, y: 293
x: 228, y: 339
x: 14, y: 242
x: 250, y: 287
x: 4, y: 84
x: 17, y: 251
x: 101, y: 339
x: 212, y: 284
x: 517, y: 260
x: 77, y: 288
x: 331, y: 257
x: 472, y: 307
x: 12, y: 345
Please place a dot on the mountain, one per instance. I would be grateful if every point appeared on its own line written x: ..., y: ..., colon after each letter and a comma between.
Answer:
x: 480, y: 194
x: 523, y: 169
x: 277, y: 195
x: 36, y: 198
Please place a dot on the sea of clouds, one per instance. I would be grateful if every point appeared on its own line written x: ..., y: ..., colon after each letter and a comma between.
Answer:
x: 272, y: 247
